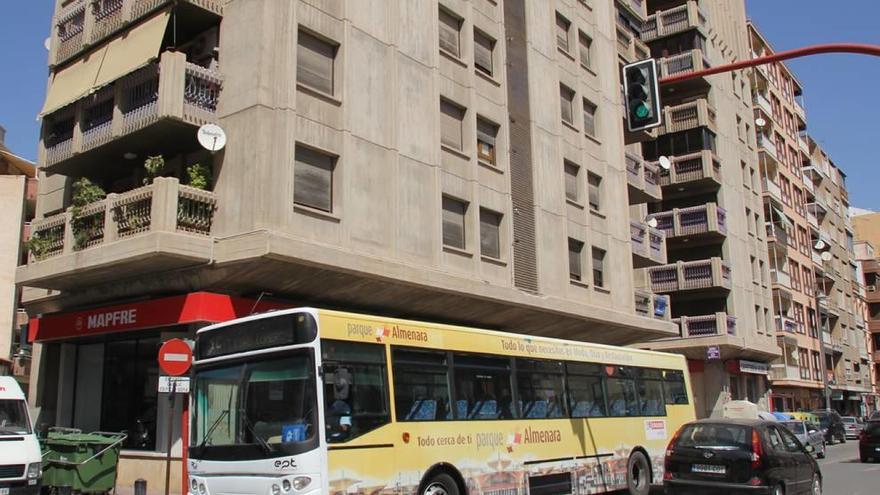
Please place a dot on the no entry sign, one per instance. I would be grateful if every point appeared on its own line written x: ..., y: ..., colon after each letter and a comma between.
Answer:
x: 175, y: 357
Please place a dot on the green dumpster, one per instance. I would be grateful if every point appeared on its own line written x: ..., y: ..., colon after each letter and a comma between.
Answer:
x: 85, y: 462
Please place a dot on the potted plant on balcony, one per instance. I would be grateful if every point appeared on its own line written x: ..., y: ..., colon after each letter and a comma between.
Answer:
x: 40, y: 243
x: 192, y: 214
x: 85, y: 192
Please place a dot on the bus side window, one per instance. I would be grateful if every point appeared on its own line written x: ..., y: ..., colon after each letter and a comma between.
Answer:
x: 421, y: 385
x: 650, y: 388
x: 622, y: 395
x: 482, y: 388
x: 540, y: 388
x: 673, y: 387
x: 586, y: 393
x: 355, y: 389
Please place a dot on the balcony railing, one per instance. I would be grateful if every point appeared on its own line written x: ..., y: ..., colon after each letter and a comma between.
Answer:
x: 689, y: 61
x: 162, y: 206
x: 776, y: 233
x: 692, y: 167
x: 802, y: 144
x: 648, y: 243
x: 697, y: 113
x: 717, y: 324
x: 85, y: 23
x: 674, y: 20
x: 761, y: 102
x: 767, y: 146
x: 773, y: 189
x: 816, y: 170
x: 785, y: 324
x: 690, y: 275
x: 173, y: 89
x: 643, y: 179
x: 696, y: 220
x: 630, y: 46
x: 785, y: 372
x: 652, y: 305
x: 780, y: 277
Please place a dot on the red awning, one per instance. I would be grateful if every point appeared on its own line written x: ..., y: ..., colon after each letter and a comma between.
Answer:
x: 177, y: 310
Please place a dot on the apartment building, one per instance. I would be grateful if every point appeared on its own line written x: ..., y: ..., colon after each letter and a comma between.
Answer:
x: 780, y: 121
x: 717, y: 275
x: 18, y: 192
x: 870, y: 270
x: 474, y: 170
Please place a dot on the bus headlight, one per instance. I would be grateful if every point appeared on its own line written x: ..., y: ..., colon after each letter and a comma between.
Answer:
x: 275, y: 489
x: 301, y: 482
x: 285, y: 485
x: 194, y: 486
x: 34, y: 470
x: 202, y: 490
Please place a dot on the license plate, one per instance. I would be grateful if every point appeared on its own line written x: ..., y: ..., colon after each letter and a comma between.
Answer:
x: 708, y: 468
x: 4, y: 491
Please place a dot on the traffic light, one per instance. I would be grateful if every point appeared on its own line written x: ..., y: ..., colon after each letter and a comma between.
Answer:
x: 641, y: 95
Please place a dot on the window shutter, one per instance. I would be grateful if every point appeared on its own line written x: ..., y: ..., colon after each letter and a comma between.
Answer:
x: 486, y: 131
x: 574, y: 258
x: 450, y: 124
x: 562, y: 32
x: 483, y: 52
x: 585, y: 43
x: 589, y: 118
x: 571, y: 181
x: 595, y: 183
x: 313, y: 179
x: 315, y: 63
x: 449, y: 33
x: 490, y: 243
x: 453, y: 222
x: 565, y: 99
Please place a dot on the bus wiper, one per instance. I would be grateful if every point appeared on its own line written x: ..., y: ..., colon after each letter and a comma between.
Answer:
x: 213, y: 427
x: 268, y: 449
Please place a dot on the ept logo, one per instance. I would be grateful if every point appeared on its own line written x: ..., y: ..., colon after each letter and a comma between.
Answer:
x: 285, y: 464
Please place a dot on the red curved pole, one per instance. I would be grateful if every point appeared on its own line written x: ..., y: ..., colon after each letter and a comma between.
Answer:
x: 776, y: 57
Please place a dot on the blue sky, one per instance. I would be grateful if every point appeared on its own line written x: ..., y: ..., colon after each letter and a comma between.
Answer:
x: 839, y: 112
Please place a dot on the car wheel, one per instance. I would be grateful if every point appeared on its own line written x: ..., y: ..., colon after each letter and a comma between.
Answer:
x: 638, y: 474
x: 816, y: 486
x: 442, y: 484
x: 778, y: 490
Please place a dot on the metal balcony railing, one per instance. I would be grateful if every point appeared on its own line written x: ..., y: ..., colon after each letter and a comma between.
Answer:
x: 691, y: 167
x: 164, y: 205
x: 674, y: 20
x: 696, y: 220
x: 707, y: 326
x: 690, y: 275
x: 172, y: 88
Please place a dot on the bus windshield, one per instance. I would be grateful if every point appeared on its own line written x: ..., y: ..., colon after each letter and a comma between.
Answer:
x: 256, y: 410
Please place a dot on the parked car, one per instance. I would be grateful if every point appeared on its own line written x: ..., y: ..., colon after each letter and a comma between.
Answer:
x: 739, y: 455
x: 869, y: 442
x: 808, y: 433
x: 875, y: 416
x: 830, y: 421
x: 852, y: 426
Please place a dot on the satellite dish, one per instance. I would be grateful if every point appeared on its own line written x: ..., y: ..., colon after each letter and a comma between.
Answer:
x: 820, y: 245
x: 665, y: 164
x: 760, y: 122
x: 826, y: 256
x: 211, y: 137
x: 652, y: 222
x: 47, y: 43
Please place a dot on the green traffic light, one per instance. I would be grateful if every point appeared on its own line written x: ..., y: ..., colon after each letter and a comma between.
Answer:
x: 641, y: 111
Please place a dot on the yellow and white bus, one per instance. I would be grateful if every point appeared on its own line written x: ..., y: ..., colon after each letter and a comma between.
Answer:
x: 314, y: 401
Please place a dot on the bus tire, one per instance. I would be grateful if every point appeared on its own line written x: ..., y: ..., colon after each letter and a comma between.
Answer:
x: 638, y: 474
x: 440, y: 484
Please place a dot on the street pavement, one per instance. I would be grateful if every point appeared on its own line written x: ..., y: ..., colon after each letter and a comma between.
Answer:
x: 842, y: 472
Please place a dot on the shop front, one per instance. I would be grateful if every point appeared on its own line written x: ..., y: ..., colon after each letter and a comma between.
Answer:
x: 98, y: 371
x: 793, y: 399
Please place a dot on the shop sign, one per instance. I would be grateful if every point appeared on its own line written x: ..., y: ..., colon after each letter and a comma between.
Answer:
x: 754, y: 367
x: 179, y: 384
x: 713, y: 352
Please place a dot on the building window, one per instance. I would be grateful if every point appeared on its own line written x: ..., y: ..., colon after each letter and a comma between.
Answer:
x: 575, y: 259
x: 450, y: 33
x: 589, y: 118
x: 566, y: 101
x: 486, y: 134
x: 451, y: 117
x: 454, y: 211
x: 572, y: 181
x: 585, y: 44
x: 490, y: 233
x: 313, y: 179
x: 130, y: 371
x: 598, y: 267
x: 594, y: 183
x: 484, y: 47
x: 315, y: 59
x: 562, y: 32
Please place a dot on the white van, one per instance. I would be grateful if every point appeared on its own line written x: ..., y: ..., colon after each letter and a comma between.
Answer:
x: 20, y: 458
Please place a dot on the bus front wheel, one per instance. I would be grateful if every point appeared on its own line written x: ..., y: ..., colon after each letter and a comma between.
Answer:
x: 441, y: 484
x: 638, y: 474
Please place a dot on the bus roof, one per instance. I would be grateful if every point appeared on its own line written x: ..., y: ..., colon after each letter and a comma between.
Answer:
x: 442, y: 326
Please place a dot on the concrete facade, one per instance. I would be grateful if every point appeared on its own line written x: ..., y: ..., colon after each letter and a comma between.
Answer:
x: 712, y: 204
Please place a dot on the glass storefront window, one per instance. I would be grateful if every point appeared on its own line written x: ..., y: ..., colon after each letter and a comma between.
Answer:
x: 130, y: 392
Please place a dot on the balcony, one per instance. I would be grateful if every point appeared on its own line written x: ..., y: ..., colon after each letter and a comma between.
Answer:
x: 674, y: 20
x: 161, y: 226
x: 689, y: 61
x: 162, y: 102
x: 82, y: 23
x: 648, y: 245
x: 711, y: 275
x: 698, y: 223
x: 635, y: 7
x: 818, y: 208
x: 784, y: 324
x: 629, y: 46
x: 700, y: 171
x: 652, y: 305
x: 777, y: 234
x: 768, y: 148
x: 642, y: 179
x: 780, y: 278
x: 697, y: 113
x: 816, y: 170
x: 772, y: 190
x: 802, y: 144
x: 763, y: 106
x: 718, y: 324
x: 785, y: 372
x: 872, y: 294
x: 812, y: 219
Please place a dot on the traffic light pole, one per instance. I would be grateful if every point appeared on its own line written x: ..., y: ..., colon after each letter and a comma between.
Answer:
x: 856, y: 48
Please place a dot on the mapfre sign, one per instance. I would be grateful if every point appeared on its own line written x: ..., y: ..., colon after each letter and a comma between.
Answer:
x: 108, y: 319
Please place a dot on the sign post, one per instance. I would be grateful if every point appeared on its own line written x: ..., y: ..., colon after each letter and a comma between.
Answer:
x: 175, y: 359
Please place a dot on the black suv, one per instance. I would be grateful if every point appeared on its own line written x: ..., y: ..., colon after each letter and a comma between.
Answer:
x: 830, y: 421
x: 869, y: 442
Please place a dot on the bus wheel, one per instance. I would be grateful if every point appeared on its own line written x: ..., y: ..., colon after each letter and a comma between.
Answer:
x: 441, y: 484
x: 638, y: 474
